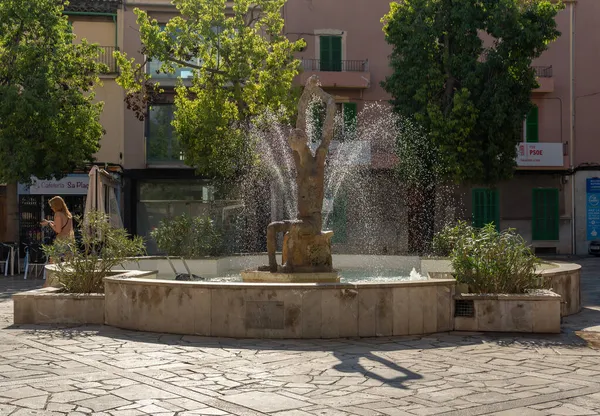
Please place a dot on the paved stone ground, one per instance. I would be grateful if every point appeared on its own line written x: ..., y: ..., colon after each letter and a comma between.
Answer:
x: 105, y: 371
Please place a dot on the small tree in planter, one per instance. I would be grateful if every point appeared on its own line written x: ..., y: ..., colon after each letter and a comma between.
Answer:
x: 88, y: 261
x: 489, y: 261
x: 188, y: 237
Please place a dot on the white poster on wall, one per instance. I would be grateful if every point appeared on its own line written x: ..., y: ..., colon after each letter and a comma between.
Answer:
x: 540, y: 154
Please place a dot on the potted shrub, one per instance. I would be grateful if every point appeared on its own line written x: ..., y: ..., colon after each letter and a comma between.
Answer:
x: 77, y: 275
x: 188, y: 237
x: 506, y: 291
x: 85, y: 263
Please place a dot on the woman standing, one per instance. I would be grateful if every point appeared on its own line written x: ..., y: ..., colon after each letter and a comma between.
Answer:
x: 62, y: 225
x: 63, y: 220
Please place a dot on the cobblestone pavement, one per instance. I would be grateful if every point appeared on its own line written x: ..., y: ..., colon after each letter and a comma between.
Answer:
x: 106, y: 371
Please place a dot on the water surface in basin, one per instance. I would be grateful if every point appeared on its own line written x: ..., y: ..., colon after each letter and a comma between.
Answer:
x: 346, y: 276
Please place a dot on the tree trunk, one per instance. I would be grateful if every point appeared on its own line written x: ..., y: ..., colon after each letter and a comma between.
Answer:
x: 421, y: 218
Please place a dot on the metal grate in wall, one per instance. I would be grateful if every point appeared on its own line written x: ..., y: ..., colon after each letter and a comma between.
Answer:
x: 464, y: 308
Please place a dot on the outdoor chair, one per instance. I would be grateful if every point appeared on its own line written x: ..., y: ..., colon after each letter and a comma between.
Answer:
x: 35, y: 258
x: 5, y: 257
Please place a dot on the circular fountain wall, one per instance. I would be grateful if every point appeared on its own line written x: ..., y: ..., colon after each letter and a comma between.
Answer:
x: 385, y: 305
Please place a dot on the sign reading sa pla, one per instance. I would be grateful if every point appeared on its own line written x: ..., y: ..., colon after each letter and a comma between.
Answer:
x: 70, y: 185
x: 540, y: 154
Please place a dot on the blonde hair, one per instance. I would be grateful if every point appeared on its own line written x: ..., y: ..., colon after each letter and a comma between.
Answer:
x: 58, y: 205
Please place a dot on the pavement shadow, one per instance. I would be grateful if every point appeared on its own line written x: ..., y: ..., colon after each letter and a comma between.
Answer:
x: 350, y: 363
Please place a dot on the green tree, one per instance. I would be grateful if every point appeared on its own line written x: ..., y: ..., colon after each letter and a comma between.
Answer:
x: 469, y: 96
x: 49, y: 124
x: 243, y: 67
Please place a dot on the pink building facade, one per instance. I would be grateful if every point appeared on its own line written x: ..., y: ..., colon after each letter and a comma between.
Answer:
x: 548, y: 200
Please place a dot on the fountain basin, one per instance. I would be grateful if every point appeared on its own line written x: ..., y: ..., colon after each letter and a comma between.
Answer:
x: 280, y: 310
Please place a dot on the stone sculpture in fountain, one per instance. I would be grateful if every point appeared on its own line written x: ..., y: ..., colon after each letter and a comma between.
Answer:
x: 306, y: 253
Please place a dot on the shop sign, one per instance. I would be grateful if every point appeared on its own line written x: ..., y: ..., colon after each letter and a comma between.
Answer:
x: 69, y: 185
x: 540, y: 154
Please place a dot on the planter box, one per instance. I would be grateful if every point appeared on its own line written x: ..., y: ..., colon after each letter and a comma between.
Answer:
x: 50, y: 305
x: 537, y: 312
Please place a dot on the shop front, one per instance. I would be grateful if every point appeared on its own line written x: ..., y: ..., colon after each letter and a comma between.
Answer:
x: 33, y: 204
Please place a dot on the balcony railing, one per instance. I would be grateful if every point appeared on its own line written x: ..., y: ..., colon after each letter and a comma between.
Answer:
x: 106, y: 57
x: 335, y: 66
x: 543, y: 71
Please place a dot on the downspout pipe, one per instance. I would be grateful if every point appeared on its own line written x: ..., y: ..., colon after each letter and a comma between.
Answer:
x: 572, y: 121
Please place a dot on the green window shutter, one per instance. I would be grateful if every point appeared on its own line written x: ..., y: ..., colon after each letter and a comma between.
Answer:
x: 545, y: 216
x: 486, y: 207
x: 331, y: 53
x: 325, y: 43
x: 318, y: 118
x: 349, y: 111
x: 338, y: 219
x: 531, y: 126
x: 336, y: 53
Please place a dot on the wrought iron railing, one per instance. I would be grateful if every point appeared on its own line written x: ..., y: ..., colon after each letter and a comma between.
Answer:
x: 543, y: 71
x: 335, y: 66
x: 106, y: 57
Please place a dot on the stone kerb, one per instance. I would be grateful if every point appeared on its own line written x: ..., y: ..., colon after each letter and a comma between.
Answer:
x: 535, y: 312
x: 279, y: 310
x: 50, y: 305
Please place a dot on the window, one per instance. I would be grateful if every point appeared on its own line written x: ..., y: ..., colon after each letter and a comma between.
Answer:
x: 545, y: 214
x: 331, y: 53
x: 349, y: 111
x: 486, y: 207
x: 531, y: 126
x: 348, y: 120
x: 161, y: 141
x: 154, y: 66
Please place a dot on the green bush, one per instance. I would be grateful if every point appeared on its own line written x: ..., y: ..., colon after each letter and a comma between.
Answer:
x: 444, y: 242
x: 490, y: 261
x: 89, y: 260
x: 189, y: 237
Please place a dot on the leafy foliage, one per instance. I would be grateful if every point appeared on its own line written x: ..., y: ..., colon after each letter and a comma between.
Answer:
x: 49, y: 124
x: 470, y: 96
x: 243, y: 68
x: 189, y: 237
x: 101, y: 248
x: 490, y: 261
x: 447, y: 239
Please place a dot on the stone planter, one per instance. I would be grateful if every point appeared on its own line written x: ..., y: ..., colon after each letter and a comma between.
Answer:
x: 561, y: 278
x: 537, y: 312
x: 50, y: 305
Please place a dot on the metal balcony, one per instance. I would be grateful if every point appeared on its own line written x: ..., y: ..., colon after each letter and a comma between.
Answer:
x: 339, y: 66
x: 543, y: 71
x: 106, y: 57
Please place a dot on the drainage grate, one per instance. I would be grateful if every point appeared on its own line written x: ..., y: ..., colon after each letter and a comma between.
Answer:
x: 464, y: 308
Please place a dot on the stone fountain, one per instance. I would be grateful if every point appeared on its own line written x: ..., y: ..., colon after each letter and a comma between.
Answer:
x: 306, y: 253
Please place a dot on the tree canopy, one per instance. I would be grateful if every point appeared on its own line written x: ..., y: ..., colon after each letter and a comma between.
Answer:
x: 462, y: 71
x: 49, y: 124
x: 242, y: 65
